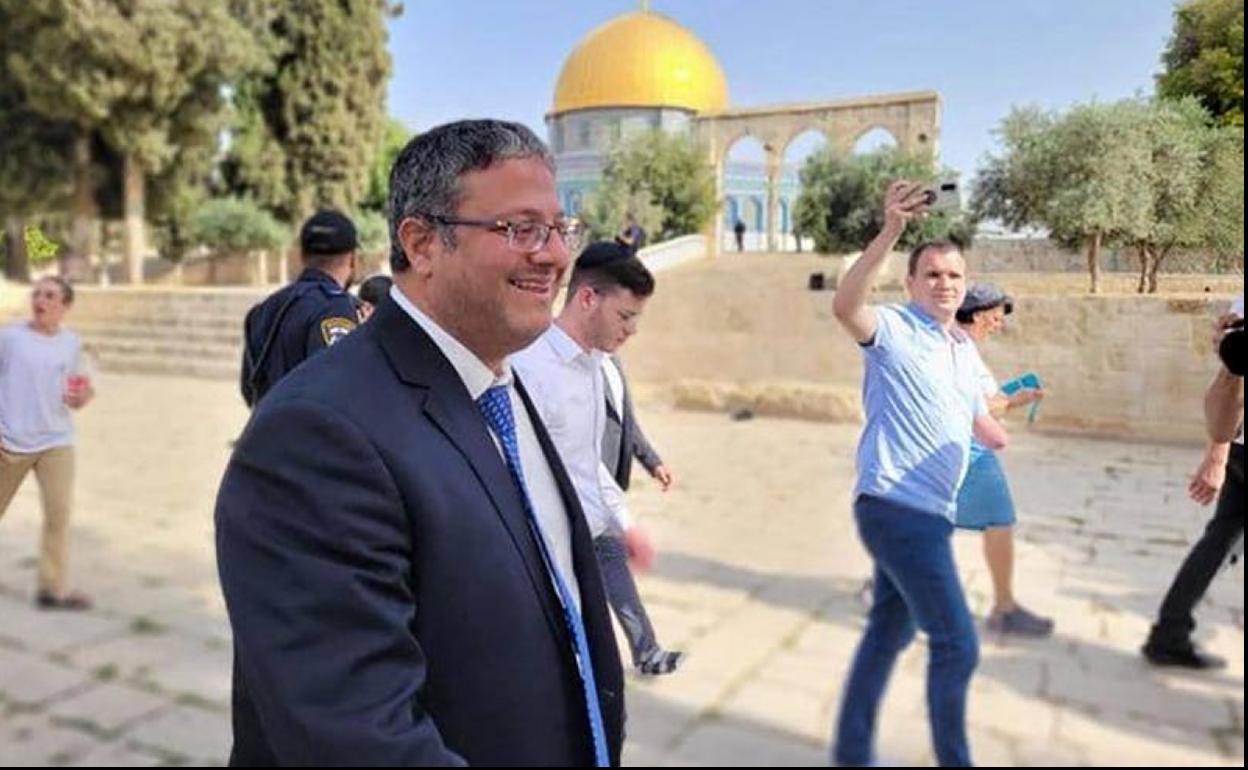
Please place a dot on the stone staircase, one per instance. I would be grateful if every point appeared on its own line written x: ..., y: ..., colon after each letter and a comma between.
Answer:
x: 186, y: 332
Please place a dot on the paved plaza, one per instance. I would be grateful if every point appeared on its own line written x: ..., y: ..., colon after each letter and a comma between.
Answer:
x: 758, y: 580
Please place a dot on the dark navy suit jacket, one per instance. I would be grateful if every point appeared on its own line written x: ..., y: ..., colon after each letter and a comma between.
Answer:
x: 389, y: 603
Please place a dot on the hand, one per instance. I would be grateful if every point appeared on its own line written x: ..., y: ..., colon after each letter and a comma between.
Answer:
x: 640, y: 549
x: 664, y: 476
x: 1028, y: 396
x: 903, y: 201
x: 77, y: 397
x: 1208, y: 479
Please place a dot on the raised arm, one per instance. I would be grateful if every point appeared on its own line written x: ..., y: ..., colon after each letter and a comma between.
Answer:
x: 902, y: 202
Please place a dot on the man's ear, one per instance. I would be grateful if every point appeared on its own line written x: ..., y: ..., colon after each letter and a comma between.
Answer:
x: 420, y: 241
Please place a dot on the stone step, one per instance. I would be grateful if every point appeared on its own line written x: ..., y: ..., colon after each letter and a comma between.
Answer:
x: 122, y: 329
x: 140, y: 364
x: 111, y: 348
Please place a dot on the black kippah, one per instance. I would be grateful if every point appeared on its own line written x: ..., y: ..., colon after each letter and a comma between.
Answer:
x: 600, y: 253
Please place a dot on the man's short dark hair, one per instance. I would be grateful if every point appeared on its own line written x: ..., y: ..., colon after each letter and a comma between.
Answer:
x: 424, y: 180
x: 626, y: 273
x: 325, y: 261
x: 67, y: 289
x: 375, y: 288
x: 940, y: 247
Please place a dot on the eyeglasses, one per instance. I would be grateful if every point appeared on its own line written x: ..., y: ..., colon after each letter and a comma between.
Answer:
x: 45, y: 294
x: 524, y: 237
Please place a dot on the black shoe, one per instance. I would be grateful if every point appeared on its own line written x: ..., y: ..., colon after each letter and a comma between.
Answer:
x: 661, y: 662
x: 45, y: 600
x: 1181, y: 657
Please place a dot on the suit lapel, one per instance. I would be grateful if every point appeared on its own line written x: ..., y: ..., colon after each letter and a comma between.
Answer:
x: 419, y: 362
x: 594, y: 614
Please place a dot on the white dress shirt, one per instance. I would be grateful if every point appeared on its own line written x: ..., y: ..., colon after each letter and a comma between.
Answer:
x: 615, y: 385
x: 543, y: 492
x: 567, y: 387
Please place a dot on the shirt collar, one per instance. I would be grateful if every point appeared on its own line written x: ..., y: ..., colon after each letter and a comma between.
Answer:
x: 570, y: 350
x: 318, y: 275
x: 476, y: 376
x: 954, y: 331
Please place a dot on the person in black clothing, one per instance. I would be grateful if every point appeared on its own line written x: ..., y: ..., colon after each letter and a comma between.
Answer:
x: 1170, y: 639
x: 373, y: 290
x: 309, y: 315
x: 633, y: 235
x: 738, y: 230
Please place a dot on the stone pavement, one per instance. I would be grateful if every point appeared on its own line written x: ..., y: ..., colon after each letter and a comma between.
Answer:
x: 757, y: 579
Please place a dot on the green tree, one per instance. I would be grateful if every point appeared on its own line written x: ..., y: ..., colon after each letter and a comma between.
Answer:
x: 234, y: 225
x: 1154, y: 176
x: 669, y: 172
x: 146, y: 76
x: 393, y: 140
x: 1223, y: 195
x: 608, y: 206
x: 1205, y: 57
x: 34, y: 164
x: 1179, y: 137
x: 309, y: 126
x: 1086, y: 176
x: 842, y: 197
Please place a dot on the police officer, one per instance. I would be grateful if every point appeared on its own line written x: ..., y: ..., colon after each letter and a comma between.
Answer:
x: 310, y: 314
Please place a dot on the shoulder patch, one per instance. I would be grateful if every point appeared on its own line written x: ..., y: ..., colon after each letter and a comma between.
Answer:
x: 334, y: 329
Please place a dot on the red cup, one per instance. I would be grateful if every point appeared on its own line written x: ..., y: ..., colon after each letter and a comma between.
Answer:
x: 77, y: 383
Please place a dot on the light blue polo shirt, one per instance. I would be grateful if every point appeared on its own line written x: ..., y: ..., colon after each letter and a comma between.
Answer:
x: 921, y: 396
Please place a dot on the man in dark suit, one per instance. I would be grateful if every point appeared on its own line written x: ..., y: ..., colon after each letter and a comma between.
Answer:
x: 408, y: 573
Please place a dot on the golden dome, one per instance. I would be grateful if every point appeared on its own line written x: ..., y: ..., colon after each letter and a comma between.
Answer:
x: 641, y: 59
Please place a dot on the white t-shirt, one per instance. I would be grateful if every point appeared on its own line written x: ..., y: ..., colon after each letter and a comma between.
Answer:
x: 34, y: 370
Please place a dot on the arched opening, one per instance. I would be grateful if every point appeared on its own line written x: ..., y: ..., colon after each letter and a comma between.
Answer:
x: 875, y: 140
x: 745, y: 182
x: 799, y: 149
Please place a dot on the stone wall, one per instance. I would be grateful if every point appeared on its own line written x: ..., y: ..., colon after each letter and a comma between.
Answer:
x: 740, y: 327
x: 1040, y: 255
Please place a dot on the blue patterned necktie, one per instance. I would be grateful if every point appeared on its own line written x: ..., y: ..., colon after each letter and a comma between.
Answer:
x: 495, y: 406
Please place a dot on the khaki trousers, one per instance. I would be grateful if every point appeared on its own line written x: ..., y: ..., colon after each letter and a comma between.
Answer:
x: 54, y: 471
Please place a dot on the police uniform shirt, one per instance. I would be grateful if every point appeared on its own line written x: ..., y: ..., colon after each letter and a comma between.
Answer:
x: 292, y: 324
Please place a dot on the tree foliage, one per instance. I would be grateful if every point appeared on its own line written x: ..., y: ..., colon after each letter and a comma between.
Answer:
x: 841, y: 201
x: 309, y: 125
x: 1205, y: 57
x: 393, y: 140
x: 655, y: 175
x: 145, y: 76
x: 236, y: 225
x: 1152, y: 175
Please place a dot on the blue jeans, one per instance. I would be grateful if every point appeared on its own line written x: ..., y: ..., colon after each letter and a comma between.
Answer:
x: 916, y: 585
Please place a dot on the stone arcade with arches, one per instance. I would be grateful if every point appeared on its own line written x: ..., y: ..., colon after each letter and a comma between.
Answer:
x: 642, y: 71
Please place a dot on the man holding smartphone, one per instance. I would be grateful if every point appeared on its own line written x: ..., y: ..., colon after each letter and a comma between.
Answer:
x: 922, y: 405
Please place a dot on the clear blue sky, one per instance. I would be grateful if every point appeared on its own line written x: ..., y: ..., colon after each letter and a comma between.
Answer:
x: 477, y: 58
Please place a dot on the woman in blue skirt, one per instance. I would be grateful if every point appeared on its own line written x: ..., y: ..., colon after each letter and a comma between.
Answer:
x: 984, y: 502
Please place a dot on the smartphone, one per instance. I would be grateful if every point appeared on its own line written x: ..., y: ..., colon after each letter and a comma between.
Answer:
x: 943, y: 197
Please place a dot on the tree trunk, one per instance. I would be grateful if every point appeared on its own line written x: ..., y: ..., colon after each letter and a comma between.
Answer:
x: 17, y: 267
x: 82, y: 248
x: 1094, y: 261
x: 1155, y: 269
x: 135, y: 239
x: 1142, y: 251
